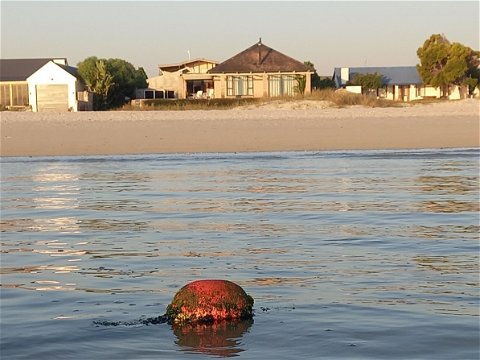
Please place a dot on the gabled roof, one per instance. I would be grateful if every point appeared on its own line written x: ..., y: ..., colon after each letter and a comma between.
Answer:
x: 259, y: 58
x: 183, y: 64
x: 392, y: 75
x: 70, y: 69
x: 20, y: 69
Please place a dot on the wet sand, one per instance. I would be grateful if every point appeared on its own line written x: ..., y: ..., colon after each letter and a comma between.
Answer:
x: 292, y: 126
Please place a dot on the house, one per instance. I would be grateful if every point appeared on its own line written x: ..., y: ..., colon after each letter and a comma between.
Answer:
x: 260, y: 71
x: 13, y: 80
x: 58, y: 87
x: 401, y: 83
x: 187, y: 79
x: 255, y: 72
x: 43, y: 85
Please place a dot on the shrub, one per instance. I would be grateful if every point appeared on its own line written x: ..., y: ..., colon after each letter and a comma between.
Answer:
x: 194, y: 104
x: 343, y: 98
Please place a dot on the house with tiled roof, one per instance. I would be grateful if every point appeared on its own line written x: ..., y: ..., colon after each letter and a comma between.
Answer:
x: 401, y: 83
x: 46, y: 84
x: 260, y: 71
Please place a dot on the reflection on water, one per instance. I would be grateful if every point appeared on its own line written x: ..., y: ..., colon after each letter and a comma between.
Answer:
x: 448, y: 184
x: 114, y: 238
x: 221, y: 339
x: 449, y: 206
x: 71, y: 225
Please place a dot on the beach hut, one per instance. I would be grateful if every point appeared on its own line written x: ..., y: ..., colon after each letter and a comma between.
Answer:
x: 42, y: 84
x: 58, y: 87
x: 13, y: 80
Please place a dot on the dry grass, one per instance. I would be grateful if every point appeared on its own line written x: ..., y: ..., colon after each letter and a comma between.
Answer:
x: 342, y: 98
x: 336, y: 98
x: 193, y: 104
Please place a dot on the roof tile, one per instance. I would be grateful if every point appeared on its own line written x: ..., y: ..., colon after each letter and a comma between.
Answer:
x: 259, y: 58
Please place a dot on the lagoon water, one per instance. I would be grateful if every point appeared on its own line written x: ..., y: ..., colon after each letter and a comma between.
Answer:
x: 348, y: 255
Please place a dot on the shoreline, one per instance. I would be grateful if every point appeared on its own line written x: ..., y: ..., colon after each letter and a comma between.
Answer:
x: 295, y: 126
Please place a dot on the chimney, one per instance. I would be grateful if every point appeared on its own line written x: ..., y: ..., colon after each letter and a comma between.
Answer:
x: 344, y: 75
x: 259, y: 45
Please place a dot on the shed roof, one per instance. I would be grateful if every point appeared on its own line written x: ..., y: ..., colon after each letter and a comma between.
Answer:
x: 21, y: 69
x: 391, y: 75
x: 259, y: 58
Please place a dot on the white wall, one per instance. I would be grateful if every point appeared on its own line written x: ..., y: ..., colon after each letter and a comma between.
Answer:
x: 356, y: 89
x: 345, y: 75
x: 52, y: 74
x: 430, y: 91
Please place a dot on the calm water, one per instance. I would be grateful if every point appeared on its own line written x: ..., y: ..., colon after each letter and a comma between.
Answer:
x: 349, y: 255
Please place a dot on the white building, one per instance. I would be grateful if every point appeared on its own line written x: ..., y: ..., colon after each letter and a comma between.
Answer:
x: 46, y: 84
x: 401, y: 83
x: 57, y: 87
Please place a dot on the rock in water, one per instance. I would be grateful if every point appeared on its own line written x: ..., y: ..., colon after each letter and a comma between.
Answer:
x: 209, y: 301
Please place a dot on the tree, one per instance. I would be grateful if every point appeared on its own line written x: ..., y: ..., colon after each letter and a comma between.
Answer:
x: 112, y: 81
x: 301, y: 84
x: 126, y: 79
x: 368, y: 82
x: 326, y: 83
x: 315, y: 79
x: 98, y: 80
x: 443, y: 63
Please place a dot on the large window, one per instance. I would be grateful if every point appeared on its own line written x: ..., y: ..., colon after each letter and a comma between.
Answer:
x: 14, y: 94
x: 240, y: 85
x: 281, y: 85
x: 5, y: 95
x: 20, y: 94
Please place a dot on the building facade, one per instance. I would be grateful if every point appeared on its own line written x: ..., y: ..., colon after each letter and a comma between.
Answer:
x: 187, y: 79
x: 400, y: 83
x: 42, y: 85
x: 260, y: 71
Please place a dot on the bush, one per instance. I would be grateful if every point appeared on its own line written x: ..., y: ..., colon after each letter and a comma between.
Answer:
x: 194, y: 104
x: 344, y: 98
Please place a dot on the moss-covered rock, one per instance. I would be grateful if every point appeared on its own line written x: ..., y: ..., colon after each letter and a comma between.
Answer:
x: 210, y: 301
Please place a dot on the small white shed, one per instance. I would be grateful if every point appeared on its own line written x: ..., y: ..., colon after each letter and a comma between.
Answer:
x: 54, y: 87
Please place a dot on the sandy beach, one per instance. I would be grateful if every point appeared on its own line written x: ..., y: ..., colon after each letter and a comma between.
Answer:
x: 277, y: 126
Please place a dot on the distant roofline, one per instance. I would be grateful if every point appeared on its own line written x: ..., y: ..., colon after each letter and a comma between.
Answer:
x: 392, y: 75
x: 21, y: 68
x: 267, y: 60
x: 186, y: 62
x: 375, y: 67
x: 37, y: 59
x: 41, y: 58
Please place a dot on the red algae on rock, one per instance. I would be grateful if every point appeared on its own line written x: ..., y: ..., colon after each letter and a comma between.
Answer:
x: 210, y: 301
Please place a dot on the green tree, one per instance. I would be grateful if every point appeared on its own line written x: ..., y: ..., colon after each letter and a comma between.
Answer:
x: 112, y: 81
x: 126, y: 79
x: 98, y: 80
x: 315, y: 79
x: 368, y: 82
x: 326, y: 83
x: 87, y: 70
x: 301, y: 84
x: 443, y: 63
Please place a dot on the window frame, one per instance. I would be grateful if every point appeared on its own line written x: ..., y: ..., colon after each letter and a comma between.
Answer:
x: 236, y: 85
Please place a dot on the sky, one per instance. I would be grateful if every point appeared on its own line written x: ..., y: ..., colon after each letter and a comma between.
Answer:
x: 328, y: 33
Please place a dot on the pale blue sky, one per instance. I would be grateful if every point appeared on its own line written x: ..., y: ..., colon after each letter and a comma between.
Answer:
x: 327, y: 33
